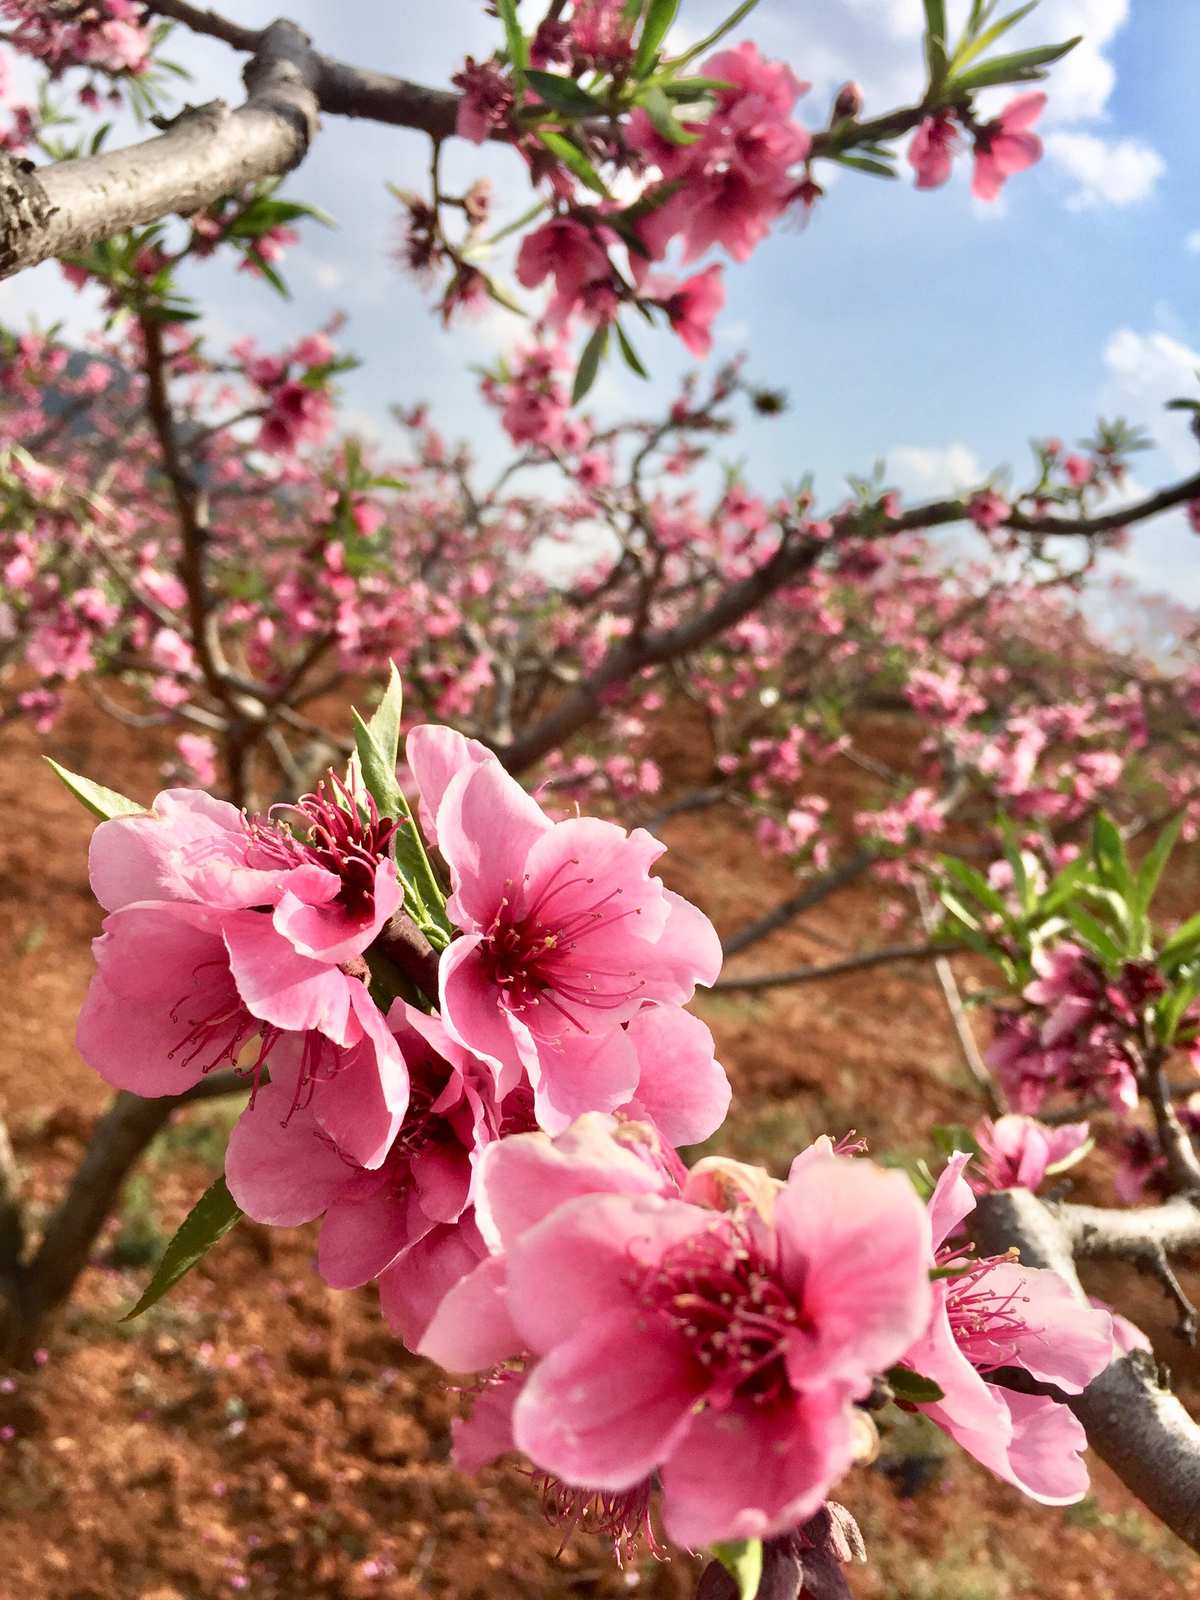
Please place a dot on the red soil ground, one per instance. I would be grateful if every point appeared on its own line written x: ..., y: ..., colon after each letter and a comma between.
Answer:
x: 257, y: 1433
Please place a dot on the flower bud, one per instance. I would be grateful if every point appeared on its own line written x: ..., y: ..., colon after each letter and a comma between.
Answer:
x: 848, y: 101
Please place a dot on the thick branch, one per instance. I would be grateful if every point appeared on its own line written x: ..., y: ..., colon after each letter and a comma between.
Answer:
x: 342, y: 90
x: 1131, y: 1420
x: 209, y: 151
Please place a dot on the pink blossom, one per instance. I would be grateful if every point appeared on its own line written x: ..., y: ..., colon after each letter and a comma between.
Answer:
x: 1005, y: 147
x: 565, y: 250
x: 1019, y: 1152
x: 284, y: 1168
x: 994, y: 1313
x: 487, y: 100
x: 199, y: 753
x: 1079, y: 470
x: 692, y: 307
x: 987, y: 509
x: 718, y: 1348
x: 222, y: 930
x: 565, y: 935
x: 931, y: 153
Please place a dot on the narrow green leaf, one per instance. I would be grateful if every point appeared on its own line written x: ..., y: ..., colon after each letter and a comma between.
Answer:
x: 1151, y: 869
x: 970, y: 48
x: 661, y: 112
x: 1071, y: 1160
x: 1023, y: 67
x: 209, y: 1219
x: 710, y: 39
x: 515, y: 42
x: 1173, y: 1005
x: 659, y: 17
x: 384, y: 726
x: 632, y: 360
x: 878, y: 169
x: 517, y: 223
x: 1096, y: 935
x: 101, y: 802
x: 564, y: 94
x: 912, y: 1386
x: 693, y: 88
x: 589, y: 363
x: 573, y: 157
x: 974, y: 882
x: 1108, y: 853
x: 936, y: 53
x: 743, y: 1561
x: 1182, y: 944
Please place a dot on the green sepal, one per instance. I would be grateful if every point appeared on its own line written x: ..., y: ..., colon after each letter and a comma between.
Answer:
x: 209, y: 1220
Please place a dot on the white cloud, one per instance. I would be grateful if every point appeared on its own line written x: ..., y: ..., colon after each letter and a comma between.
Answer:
x: 1116, y: 172
x: 1082, y: 82
x: 1192, y: 243
x: 932, y: 470
x: 1145, y: 371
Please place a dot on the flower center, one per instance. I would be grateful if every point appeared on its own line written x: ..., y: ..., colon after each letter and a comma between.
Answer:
x: 536, y: 946
x: 717, y: 1289
x: 328, y: 829
x: 987, y: 1323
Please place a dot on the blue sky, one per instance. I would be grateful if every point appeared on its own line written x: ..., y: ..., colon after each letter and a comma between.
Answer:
x: 921, y: 328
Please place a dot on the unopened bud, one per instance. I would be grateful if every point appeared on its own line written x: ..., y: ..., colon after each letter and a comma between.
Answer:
x: 849, y: 101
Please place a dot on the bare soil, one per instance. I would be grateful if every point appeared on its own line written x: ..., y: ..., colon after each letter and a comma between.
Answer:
x: 258, y: 1433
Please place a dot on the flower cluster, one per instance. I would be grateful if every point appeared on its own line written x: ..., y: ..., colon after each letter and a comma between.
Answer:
x: 484, y: 1110
x: 1078, y: 1033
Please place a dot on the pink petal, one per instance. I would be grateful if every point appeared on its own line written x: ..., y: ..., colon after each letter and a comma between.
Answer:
x: 416, y: 1283
x: 362, y: 1105
x: 578, y: 1073
x: 325, y: 932
x: 1022, y: 112
x: 486, y: 827
x: 744, y: 1473
x: 278, y: 1168
x: 1062, y: 1341
x: 1047, y: 1443
x: 363, y: 1233
x: 471, y: 1329
x: 952, y: 1199
x: 486, y: 1433
x: 435, y: 755
x: 680, y: 1086
x: 523, y: 1178
x: 584, y: 1260
x: 603, y: 1409
x: 854, y: 1247
x: 283, y: 988
x: 471, y: 1010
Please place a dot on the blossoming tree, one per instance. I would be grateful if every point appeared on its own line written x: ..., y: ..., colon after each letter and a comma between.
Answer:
x: 457, y: 1013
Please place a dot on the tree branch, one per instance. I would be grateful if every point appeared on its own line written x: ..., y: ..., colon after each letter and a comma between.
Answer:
x: 1131, y: 1420
x: 833, y: 969
x: 209, y: 151
x: 809, y: 895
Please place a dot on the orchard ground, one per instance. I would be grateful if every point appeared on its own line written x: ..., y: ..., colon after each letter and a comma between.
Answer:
x: 259, y: 1433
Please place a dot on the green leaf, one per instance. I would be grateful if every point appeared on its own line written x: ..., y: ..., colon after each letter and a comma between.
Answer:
x: 515, y: 42
x: 935, y: 41
x: 1174, y: 1004
x: 564, y: 94
x: 659, y: 17
x: 950, y: 1138
x: 743, y: 1561
x: 1022, y: 67
x: 972, y: 47
x: 1071, y: 1160
x: 632, y: 360
x: 101, y: 802
x: 1108, y: 853
x: 1064, y: 886
x: 661, y: 112
x: 569, y: 153
x: 1182, y: 944
x: 1151, y: 869
x: 384, y: 726
x: 710, y: 39
x: 976, y: 885
x: 878, y: 169
x: 913, y: 1386
x: 589, y: 363
x: 209, y: 1219
x: 1096, y: 935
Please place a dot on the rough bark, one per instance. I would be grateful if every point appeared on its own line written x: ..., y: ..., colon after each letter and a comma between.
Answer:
x: 1132, y: 1420
x: 207, y: 152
